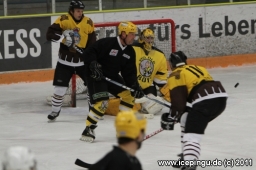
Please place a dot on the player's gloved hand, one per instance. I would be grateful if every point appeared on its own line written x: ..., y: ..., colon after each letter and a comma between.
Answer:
x: 179, y: 115
x: 96, y: 71
x: 137, y: 93
x: 167, y: 121
x: 69, y: 38
x: 176, y: 114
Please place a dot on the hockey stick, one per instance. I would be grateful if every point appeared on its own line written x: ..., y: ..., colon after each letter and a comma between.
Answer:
x: 153, y: 134
x: 141, y: 100
x: 55, y: 41
x: 83, y: 164
x: 132, y: 90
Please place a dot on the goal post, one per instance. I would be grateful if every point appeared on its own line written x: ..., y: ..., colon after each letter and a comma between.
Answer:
x: 164, y: 30
x: 165, y: 40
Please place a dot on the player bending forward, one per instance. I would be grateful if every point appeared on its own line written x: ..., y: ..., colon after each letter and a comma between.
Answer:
x: 151, y: 71
x: 78, y: 30
x: 130, y: 131
x: 109, y: 57
x: 193, y: 84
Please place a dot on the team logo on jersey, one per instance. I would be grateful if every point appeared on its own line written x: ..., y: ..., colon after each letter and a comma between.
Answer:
x: 113, y: 52
x: 77, y: 36
x: 104, y: 106
x: 146, y: 67
x: 126, y: 56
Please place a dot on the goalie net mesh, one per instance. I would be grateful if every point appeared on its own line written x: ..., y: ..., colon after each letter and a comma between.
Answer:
x: 164, y: 30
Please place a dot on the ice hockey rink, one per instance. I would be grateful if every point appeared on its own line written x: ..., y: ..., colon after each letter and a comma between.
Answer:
x: 23, y: 121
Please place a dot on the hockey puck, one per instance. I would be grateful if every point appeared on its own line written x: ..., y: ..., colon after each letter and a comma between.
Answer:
x: 236, y: 85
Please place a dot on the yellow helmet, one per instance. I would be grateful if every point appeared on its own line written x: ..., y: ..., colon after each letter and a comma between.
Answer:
x: 147, y: 37
x: 129, y: 125
x: 127, y: 27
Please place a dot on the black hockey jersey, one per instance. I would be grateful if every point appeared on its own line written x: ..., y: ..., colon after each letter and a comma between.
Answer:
x: 117, y: 159
x: 114, y: 59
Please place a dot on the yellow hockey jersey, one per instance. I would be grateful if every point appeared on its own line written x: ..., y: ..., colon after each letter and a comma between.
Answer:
x: 81, y: 30
x: 84, y: 36
x: 191, y: 83
x: 151, y: 67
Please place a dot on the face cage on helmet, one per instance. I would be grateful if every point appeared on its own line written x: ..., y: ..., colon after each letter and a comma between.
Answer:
x: 148, y: 42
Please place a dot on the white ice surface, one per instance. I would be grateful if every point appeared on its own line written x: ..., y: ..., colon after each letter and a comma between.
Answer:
x: 23, y: 121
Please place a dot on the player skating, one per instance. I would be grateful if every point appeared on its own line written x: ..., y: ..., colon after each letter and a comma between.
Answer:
x: 130, y: 130
x: 109, y: 57
x: 78, y: 30
x: 193, y: 84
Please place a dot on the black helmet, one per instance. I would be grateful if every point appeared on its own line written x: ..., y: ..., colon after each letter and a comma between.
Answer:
x: 76, y: 4
x: 178, y: 59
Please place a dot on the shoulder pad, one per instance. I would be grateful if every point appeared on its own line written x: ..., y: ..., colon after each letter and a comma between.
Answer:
x: 176, y: 74
x: 90, y: 22
x: 154, y: 48
x: 63, y: 17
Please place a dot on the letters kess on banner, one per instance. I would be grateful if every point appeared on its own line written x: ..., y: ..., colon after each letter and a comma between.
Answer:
x: 22, y: 44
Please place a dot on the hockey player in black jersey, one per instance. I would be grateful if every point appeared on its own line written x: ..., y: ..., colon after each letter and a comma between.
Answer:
x: 130, y: 129
x: 109, y: 57
x: 78, y: 30
x: 192, y: 84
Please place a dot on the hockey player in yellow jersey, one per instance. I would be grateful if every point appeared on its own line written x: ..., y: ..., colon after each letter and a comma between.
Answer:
x: 130, y: 131
x: 151, y: 70
x: 76, y: 30
x: 193, y: 84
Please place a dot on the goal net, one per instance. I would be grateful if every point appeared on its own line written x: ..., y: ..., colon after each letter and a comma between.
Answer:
x: 164, y: 30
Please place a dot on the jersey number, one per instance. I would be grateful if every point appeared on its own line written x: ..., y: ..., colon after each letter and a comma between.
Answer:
x: 195, y: 70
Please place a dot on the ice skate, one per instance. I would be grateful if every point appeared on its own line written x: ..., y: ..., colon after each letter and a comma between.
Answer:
x: 52, y: 117
x: 178, y: 165
x: 88, y: 134
x: 188, y: 168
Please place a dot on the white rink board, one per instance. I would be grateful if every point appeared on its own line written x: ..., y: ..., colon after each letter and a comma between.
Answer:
x: 189, y: 37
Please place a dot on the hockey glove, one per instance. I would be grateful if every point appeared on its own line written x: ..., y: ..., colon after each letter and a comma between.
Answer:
x: 69, y: 38
x: 167, y: 121
x: 137, y: 93
x: 96, y: 71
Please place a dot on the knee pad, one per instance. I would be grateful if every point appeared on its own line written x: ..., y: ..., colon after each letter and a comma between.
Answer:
x: 60, y: 91
x: 113, y: 106
x: 183, y: 119
x: 126, y: 97
x: 192, y: 137
x: 101, y: 106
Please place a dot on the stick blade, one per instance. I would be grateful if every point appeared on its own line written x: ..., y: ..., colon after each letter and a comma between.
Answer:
x: 83, y: 164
